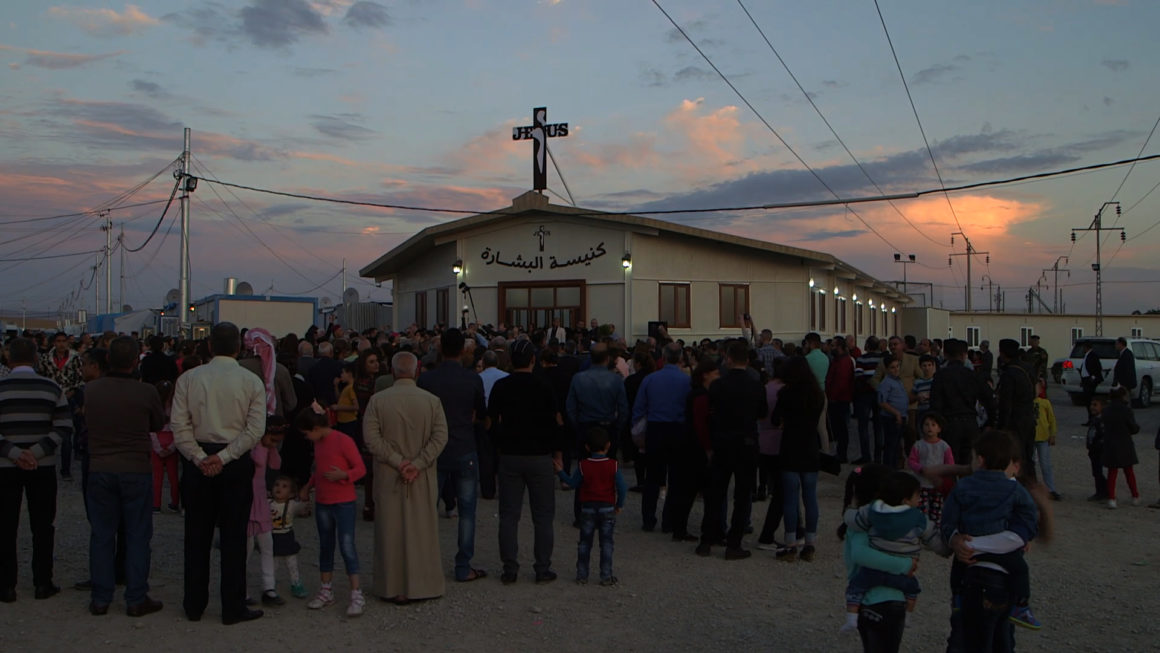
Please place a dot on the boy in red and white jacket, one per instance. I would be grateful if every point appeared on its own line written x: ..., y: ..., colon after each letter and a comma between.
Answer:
x: 601, y: 490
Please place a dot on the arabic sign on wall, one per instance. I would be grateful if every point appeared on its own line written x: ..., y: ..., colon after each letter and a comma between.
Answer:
x: 538, y: 253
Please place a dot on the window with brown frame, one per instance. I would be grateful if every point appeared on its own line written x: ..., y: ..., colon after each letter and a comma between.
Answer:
x: 821, y: 299
x: 734, y: 302
x: 813, y: 312
x: 421, y: 309
x: 842, y: 315
x: 674, y: 305
x: 441, y: 300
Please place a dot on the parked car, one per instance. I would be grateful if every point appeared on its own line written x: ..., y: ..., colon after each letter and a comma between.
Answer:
x: 1146, y: 352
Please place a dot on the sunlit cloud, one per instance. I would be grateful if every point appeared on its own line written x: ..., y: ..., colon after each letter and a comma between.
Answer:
x: 106, y: 22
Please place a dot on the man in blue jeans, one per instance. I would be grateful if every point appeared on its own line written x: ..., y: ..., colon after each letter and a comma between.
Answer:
x: 461, y: 391
x: 121, y: 412
x: 661, y: 401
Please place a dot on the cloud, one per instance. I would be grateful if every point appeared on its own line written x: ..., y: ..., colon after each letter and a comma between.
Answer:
x: 279, y: 23
x: 131, y: 126
x: 1115, y: 65
x: 211, y: 21
x: 314, y: 72
x: 340, y: 127
x: 653, y: 78
x: 935, y: 73
x: 692, y: 73
x: 367, y: 14
x: 830, y: 83
x: 106, y: 22
x: 57, y: 60
x: 1108, y: 101
x: 152, y: 89
x: 826, y: 235
x: 674, y: 35
x: 1037, y: 161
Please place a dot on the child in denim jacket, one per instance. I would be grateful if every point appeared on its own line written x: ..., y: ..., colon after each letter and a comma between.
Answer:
x: 991, y: 501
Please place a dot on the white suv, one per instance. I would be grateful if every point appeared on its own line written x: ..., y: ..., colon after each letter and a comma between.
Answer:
x: 1146, y: 352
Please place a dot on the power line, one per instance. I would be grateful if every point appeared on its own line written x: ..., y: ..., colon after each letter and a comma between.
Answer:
x: 336, y: 200
x: 766, y: 123
x: 831, y: 127
x: 756, y: 207
x: 914, y: 108
x: 306, y: 292
x: 82, y: 213
x: 43, y: 257
x: 159, y: 221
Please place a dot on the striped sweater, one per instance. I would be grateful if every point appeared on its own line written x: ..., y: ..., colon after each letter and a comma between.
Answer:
x: 34, y: 415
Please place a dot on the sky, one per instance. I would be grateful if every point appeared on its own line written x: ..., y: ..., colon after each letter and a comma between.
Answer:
x: 412, y: 103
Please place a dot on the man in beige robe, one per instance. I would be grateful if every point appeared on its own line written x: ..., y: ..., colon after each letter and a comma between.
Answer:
x: 405, y: 429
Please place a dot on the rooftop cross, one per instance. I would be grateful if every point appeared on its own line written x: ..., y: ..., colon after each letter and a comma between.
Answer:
x: 539, y: 133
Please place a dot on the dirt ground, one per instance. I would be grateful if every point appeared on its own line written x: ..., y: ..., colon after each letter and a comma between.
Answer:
x: 1093, y: 587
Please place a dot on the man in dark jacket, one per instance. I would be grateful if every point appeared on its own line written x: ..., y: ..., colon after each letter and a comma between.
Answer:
x: 1091, y: 375
x: 157, y: 365
x: 1016, y: 410
x: 953, y: 394
x: 1124, y: 374
x: 736, y: 401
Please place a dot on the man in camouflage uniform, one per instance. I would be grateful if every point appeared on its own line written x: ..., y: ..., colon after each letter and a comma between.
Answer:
x: 1036, y: 356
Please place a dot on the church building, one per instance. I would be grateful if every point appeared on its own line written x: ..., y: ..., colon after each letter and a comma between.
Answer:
x: 534, y: 261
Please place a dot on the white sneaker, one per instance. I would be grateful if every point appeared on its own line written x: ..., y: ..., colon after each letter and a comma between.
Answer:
x: 324, y: 598
x: 1112, y: 504
x: 357, y: 604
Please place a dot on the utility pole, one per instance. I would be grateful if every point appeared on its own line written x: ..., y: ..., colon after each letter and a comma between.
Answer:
x: 905, y: 262
x: 121, y: 295
x: 108, y: 229
x: 1098, y: 227
x: 96, y: 287
x: 969, y: 253
x: 990, y: 291
x: 344, y: 278
x: 183, y: 180
x: 1057, y: 296
x: 1039, y: 292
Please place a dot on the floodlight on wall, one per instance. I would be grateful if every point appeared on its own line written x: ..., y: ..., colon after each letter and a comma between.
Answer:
x: 811, y: 283
x: 457, y: 266
x: 836, y: 293
x: 855, y: 298
x: 894, y: 310
x: 871, y: 303
x: 626, y: 261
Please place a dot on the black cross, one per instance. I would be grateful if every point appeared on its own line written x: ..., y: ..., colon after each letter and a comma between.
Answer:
x: 541, y: 232
x: 539, y: 132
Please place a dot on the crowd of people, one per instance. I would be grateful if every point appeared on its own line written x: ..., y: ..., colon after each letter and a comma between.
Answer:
x: 268, y: 430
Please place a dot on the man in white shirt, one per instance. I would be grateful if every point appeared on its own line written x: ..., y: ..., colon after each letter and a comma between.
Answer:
x: 219, y: 414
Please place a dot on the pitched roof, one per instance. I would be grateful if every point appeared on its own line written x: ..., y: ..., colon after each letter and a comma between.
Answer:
x: 533, y: 203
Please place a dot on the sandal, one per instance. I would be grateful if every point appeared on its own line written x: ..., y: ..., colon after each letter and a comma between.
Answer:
x: 476, y: 574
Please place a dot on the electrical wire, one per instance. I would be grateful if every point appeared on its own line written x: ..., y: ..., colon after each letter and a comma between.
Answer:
x: 307, y: 292
x: 914, y: 108
x: 50, y: 256
x: 839, y: 201
x: 159, y: 221
x: 831, y: 127
x: 81, y: 213
x: 768, y: 126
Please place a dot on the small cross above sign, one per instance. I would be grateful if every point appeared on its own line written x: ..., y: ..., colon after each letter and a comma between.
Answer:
x: 539, y: 132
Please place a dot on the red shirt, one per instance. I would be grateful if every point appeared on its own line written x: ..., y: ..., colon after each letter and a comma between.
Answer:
x: 840, y: 379
x: 336, y: 449
x: 599, y: 483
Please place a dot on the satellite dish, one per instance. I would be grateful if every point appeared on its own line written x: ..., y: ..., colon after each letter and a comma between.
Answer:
x: 326, y: 301
x: 125, y: 308
x: 244, y: 288
x: 350, y: 296
x: 173, y: 296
